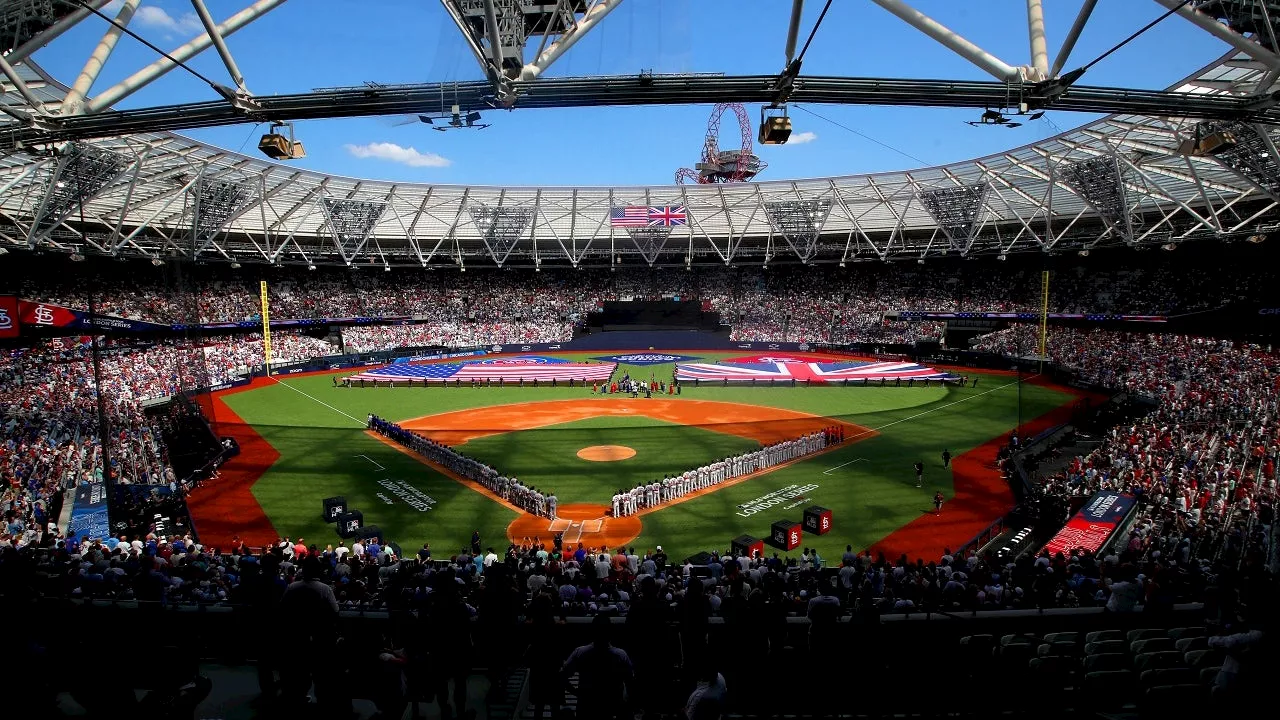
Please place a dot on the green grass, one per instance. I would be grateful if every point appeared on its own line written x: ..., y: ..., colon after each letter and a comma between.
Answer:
x: 320, y: 439
x: 546, y: 458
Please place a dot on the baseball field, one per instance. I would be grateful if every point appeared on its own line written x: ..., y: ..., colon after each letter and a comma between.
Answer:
x: 302, y: 440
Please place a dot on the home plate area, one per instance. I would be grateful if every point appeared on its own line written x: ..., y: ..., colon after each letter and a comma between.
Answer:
x: 580, y: 523
x: 573, y: 529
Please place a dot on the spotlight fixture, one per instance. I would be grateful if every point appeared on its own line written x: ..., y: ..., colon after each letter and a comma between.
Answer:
x: 235, y: 265
x: 993, y: 117
x: 4, y: 251
x: 157, y: 262
x: 841, y: 263
x: 386, y: 268
x: 775, y: 129
x: 920, y: 261
x: 1002, y: 256
x: 77, y: 257
x: 311, y: 267
x: 1255, y: 239
x: 279, y: 147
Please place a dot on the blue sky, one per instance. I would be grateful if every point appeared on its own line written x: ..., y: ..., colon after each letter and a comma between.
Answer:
x: 308, y: 44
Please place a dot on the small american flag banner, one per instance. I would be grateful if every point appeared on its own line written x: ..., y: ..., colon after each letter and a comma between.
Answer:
x: 636, y: 216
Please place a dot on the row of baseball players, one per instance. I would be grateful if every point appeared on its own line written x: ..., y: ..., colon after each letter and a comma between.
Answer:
x: 629, y: 502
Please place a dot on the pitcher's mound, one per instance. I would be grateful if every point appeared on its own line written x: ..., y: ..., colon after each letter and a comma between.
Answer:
x: 606, y: 453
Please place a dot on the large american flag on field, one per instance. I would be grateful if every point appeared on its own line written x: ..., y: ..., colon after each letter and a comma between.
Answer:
x: 446, y: 372
x: 637, y: 216
x: 813, y: 372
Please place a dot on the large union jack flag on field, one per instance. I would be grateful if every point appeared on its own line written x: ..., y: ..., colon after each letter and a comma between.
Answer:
x: 637, y: 216
x: 813, y: 372
x: 511, y: 373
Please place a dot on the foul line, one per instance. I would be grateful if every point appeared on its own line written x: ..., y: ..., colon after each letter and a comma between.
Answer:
x: 375, y: 463
x: 357, y: 420
x: 831, y: 470
x: 942, y: 407
x: 921, y: 414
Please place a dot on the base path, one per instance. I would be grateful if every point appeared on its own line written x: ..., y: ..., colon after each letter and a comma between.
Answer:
x: 767, y: 425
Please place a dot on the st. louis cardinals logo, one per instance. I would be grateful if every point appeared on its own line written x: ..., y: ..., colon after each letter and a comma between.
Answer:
x: 43, y: 315
x: 6, y: 322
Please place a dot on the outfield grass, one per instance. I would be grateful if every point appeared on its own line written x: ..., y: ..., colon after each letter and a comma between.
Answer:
x: 547, y: 457
x: 318, y: 430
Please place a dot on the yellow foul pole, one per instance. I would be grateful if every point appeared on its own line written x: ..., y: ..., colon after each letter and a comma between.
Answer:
x: 266, y: 326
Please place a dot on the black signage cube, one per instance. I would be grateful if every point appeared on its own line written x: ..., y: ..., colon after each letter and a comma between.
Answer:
x: 747, y: 546
x: 817, y: 520
x: 334, y: 507
x: 350, y: 523
x: 785, y: 534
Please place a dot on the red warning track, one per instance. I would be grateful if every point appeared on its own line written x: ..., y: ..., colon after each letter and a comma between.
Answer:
x: 981, y: 494
x: 225, y: 508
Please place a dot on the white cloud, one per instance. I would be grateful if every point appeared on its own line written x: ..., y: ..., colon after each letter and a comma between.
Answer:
x: 157, y: 17
x: 392, y: 152
x: 802, y: 138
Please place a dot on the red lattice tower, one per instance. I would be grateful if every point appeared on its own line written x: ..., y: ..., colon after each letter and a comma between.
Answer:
x: 724, y: 166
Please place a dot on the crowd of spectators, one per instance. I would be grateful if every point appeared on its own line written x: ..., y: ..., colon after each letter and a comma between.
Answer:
x: 1202, y: 463
x: 372, y: 338
x: 52, y: 425
x: 510, y: 489
x: 777, y: 303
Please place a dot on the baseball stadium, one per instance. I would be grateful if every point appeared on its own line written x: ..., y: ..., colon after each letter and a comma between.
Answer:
x: 601, y: 359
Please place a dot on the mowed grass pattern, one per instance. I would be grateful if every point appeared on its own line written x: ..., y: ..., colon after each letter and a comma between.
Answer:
x: 318, y: 430
x: 547, y: 459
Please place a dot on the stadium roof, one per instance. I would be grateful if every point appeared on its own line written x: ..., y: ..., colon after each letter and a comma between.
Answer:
x: 1121, y: 180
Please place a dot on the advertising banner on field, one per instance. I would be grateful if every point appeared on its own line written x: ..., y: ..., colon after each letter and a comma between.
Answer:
x: 645, y: 358
x: 1095, y: 523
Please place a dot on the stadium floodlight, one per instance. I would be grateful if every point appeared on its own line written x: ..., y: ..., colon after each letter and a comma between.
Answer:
x: 1255, y: 239
x: 4, y: 251
x: 235, y: 265
x: 800, y: 223
x: 501, y: 228
x: 1101, y: 183
x: 311, y: 267
x: 959, y: 211
x: 77, y: 257
x: 386, y: 268
x: 1002, y: 256
x: 157, y: 261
